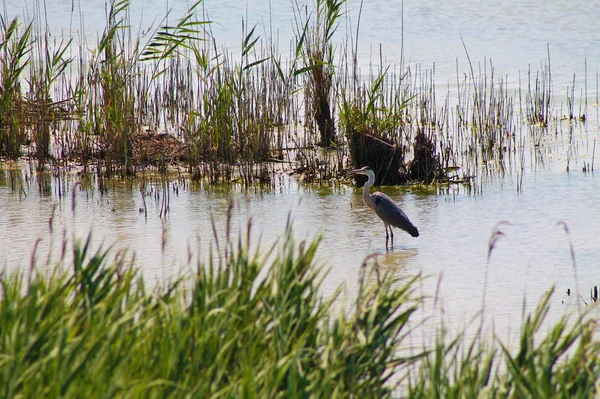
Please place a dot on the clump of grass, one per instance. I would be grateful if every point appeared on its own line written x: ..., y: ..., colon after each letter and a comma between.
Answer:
x: 552, y: 362
x: 425, y: 165
x: 92, y: 328
x: 231, y: 109
x: 110, y: 80
x: 428, y: 123
x: 373, y: 130
x: 318, y: 54
x: 386, y: 123
x: 43, y: 113
x: 539, y: 95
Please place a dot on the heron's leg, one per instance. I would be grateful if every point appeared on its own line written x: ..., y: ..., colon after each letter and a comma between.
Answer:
x: 387, y: 236
x: 392, y: 234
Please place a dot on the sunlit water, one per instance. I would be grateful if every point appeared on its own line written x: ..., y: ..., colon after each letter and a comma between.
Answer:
x: 530, y: 258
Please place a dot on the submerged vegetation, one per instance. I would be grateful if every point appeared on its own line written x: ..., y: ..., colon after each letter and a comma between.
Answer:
x: 255, y: 325
x: 175, y: 96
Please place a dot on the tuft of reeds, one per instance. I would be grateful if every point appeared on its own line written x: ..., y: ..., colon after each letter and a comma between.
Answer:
x: 15, y: 46
x: 112, y: 103
x: 550, y: 362
x: 315, y: 41
x: 374, y: 131
x: 243, y: 325
x: 43, y: 112
x: 538, y: 100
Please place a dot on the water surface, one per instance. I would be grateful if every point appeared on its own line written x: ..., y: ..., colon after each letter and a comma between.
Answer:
x: 532, y: 256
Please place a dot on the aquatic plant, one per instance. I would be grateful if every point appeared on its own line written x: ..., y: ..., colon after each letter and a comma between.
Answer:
x: 243, y: 325
x: 315, y: 41
x: 374, y: 130
x: 539, y: 95
x: 14, y: 48
x: 43, y: 112
x: 255, y: 324
x: 229, y: 116
x: 551, y: 362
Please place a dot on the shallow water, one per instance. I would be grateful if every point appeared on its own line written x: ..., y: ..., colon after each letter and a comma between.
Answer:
x: 455, y: 226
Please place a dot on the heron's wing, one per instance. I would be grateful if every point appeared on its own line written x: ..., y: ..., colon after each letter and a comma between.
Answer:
x: 391, y: 213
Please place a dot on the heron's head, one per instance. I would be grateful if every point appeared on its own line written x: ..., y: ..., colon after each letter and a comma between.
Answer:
x: 365, y: 170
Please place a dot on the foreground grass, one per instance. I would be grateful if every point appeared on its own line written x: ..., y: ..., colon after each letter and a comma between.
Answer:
x: 254, y: 326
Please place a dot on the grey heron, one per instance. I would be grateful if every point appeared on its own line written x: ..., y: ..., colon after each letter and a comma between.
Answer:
x: 387, y: 210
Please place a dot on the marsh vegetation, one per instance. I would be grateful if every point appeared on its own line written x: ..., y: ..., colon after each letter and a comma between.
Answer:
x: 176, y: 96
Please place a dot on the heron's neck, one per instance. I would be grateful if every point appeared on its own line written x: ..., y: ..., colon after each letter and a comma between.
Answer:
x: 366, y: 196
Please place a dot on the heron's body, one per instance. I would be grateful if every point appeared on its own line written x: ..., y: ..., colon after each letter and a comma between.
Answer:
x: 387, y: 210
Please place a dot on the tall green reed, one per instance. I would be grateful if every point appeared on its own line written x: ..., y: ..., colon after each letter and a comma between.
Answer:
x: 315, y: 40
x: 556, y: 361
x: 234, y: 110
x: 111, y: 103
x: 15, y: 45
x: 44, y: 113
x: 246, y: 323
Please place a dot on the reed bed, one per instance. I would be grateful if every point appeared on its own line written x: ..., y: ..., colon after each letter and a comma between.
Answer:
x: 175, y: 96
x: 255, y: 325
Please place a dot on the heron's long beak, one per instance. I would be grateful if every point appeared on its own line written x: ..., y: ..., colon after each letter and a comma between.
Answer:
x: 353, y: 172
